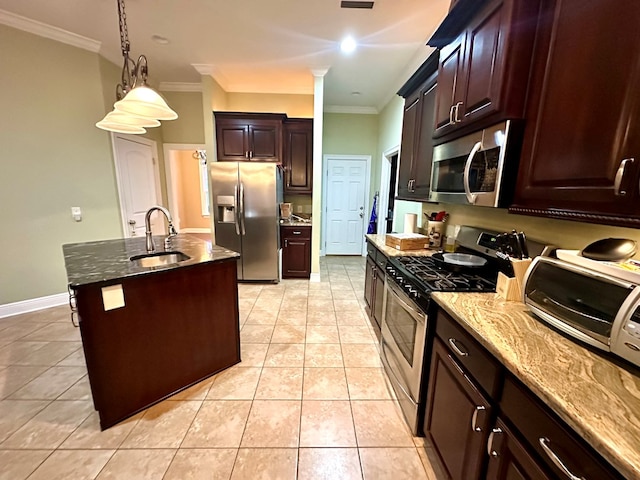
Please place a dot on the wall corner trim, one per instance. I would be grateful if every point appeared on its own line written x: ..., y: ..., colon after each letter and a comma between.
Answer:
x: 315, y: 277
x: 33, y: 304
x: 49, y: 31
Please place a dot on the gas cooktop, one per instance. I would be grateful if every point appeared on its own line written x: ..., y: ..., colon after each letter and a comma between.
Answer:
x: 427, y: 274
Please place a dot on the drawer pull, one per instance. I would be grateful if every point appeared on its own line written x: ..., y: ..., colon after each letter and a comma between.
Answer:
x: 544, y: 443
x: 619, y: 175
x: 474, y: 418
x: 458, y: 350
x: 490, y: 450
x: 297, y: 233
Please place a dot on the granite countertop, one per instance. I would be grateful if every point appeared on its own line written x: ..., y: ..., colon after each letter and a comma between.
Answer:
x: 598, y: 399
x: 378, y: 242
x: 106, y: 260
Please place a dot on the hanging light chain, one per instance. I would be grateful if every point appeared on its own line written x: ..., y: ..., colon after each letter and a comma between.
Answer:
x: 124, y: 34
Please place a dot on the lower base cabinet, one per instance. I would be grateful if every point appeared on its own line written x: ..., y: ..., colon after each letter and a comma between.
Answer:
x: 374, y: 286
x: 484, y: 424
x: 296, y: 252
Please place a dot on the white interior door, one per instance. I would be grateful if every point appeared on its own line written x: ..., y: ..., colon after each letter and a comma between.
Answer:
x: 345, y: 202
x: 137, y: 172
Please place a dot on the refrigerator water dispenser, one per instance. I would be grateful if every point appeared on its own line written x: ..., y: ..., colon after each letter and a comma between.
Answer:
x: 226, y: 209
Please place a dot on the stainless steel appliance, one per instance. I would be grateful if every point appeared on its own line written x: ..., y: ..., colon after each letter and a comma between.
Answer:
x: 597, y: 308
x: 478, y: 169
x: 246, y: 200
x: 409, y: 282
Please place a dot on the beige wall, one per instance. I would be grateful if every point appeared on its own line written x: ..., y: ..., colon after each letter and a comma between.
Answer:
x: 185, y: 171
x: 52, y: 157
x: 189, y: 126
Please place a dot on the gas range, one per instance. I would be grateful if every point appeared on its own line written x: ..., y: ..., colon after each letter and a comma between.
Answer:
x: 419, y: 276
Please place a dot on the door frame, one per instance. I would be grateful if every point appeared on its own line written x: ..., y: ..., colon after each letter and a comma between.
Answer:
x: 172, y: 195
x: 156, y: 172
x: 367, y: 191
x: 385, y: 178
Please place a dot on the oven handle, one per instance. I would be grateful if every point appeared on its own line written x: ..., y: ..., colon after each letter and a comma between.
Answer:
x: 471, y: 197
x: 386, y: 350
x: 397, y: 293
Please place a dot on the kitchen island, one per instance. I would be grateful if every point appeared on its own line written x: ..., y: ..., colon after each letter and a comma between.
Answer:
x: 149, y: 332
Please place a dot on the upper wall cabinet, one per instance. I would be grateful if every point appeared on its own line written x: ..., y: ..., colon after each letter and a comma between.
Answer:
x: 298, y: 156
x: 416, y: 148
x: 484, y: 64
x: 249, y: 137
x: 581, y: 147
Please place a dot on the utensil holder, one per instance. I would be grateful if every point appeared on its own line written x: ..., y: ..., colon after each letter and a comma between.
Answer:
x: 519, y: 270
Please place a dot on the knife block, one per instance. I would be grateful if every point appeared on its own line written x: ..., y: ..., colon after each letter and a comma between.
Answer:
x: 511, y: 288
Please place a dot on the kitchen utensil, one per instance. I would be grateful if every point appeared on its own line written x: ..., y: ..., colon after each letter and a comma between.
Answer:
x: 464, y: 259
x: 523, y: 245
x: 610, y: 249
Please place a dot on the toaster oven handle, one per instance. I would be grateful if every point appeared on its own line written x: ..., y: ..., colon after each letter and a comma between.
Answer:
x: 471, y: 197
x: 547, y: 299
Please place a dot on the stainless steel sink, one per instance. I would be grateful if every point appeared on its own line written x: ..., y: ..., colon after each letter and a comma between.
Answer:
x: 159, y: 259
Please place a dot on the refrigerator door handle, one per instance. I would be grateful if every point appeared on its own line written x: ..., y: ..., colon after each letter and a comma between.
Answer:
x: 242, y: 208
x: 236, y: 220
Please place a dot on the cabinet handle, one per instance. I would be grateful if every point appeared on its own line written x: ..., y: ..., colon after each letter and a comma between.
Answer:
x: 246, y: 154
x: 250, y: 153
x: 490, y: 450
x: 474, y: 418
x: 286, y: 243
x: 451, y: 121
x: 73, y: 306
x: 544, y: 443
x: 458, y: 350
x: 619, y: 176
x: 297, y: 233
x: 456, y: 118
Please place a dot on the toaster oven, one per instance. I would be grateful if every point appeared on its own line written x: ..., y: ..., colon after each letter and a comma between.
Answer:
x: 593, y: 307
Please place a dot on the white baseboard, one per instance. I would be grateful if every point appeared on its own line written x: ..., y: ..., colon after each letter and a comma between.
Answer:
x: 315, y: 277
x: 33, y: 304
x: 195, y: 230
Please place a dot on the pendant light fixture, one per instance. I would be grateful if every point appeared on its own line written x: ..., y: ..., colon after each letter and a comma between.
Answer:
x: 137, y: 106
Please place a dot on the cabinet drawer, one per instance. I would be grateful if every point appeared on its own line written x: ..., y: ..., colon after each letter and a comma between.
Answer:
x: 291, y: 233
x: 372, y: 251
x: 469, y: 353
x: 535, y: 423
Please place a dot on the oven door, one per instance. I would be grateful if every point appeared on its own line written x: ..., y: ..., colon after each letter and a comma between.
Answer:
x: 402, y: 348
x: 469, y: 170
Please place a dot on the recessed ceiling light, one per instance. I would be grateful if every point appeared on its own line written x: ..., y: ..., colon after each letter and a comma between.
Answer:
x: 160, y: 39
x: 348, y: 45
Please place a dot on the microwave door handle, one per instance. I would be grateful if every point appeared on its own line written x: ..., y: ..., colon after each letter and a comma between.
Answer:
x: 471, y: 197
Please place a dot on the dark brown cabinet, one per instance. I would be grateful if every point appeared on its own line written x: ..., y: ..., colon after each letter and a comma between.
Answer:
x: 296, y: 252
x: 298, y: 156
x: 526, y: 441
x: 457, y: 418
x: 416, y: 148
x: 249, y: 136
x: 509, y: 458
x: 581, y: 148
x: 483, y: 73
x: 374, y: 285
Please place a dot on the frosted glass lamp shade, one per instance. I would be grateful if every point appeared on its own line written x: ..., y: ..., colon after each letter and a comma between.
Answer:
x: 116, y: 116
x: 105, y: 124
x: 145, y: 102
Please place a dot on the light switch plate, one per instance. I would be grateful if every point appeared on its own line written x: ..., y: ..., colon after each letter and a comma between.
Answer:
x: 76, y: 214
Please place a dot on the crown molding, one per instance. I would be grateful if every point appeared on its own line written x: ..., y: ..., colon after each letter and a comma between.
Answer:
x: 347, y: 109
x: 203, y: 68
x: 48, y: 31
x: 180, y: 87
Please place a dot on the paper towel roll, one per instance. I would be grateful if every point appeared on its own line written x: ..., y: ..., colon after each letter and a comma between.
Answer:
x: 410, y: 220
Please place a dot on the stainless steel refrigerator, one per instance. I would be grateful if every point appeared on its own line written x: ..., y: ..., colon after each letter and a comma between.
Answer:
x: 246, y: 202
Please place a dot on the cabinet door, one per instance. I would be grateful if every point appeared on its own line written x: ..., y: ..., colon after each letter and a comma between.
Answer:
x: 484, y: 48
x: 378, y: 296
x: 232, y: 138
x: 509, y: 459
x: 410, y: 118
x: 369, y: 282
x: 457, y: 416
x: 581, y: 150
x: 264, y: 141
x: 298, y: 156
x: 296, y: 258
x: 424, y: 153
x: 451, y: 61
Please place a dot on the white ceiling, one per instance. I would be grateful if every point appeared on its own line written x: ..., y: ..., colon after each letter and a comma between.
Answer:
x: 260, y: 46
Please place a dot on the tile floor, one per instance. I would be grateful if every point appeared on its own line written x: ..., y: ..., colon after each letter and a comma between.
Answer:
x: 308, y: 401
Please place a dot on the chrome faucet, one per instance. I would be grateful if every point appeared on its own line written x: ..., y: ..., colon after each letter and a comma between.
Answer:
x: 147, y: 225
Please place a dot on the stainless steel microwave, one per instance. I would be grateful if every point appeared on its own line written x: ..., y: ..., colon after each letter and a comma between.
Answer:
x: 593, y: 307
x: 472, y: 170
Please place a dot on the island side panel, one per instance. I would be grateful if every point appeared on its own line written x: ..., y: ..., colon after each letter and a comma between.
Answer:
x: 177, y: 327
